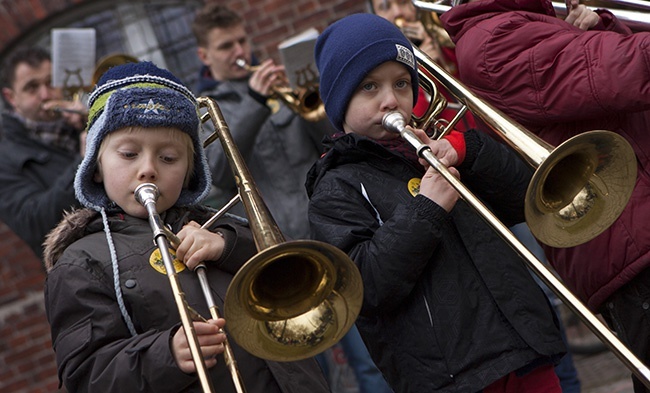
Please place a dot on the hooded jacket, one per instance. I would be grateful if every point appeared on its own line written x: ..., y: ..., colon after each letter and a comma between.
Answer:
x: 95, y: 351
x: 560, y: 81
x: 448, y: 306
x: 278, y: 148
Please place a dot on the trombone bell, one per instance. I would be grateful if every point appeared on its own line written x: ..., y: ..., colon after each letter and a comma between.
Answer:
x: 580, y: 189
x: 293, y: 300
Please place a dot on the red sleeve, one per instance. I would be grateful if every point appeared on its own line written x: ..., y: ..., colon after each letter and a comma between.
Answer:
x: 457, y: 140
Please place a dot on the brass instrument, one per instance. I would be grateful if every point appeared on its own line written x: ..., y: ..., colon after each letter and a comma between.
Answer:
x: 305, y: 100
x: 606, y: 170
x: 147, y: 195
x: 579, y: 188
x: 293, y: 299
x: 394, y: 121
x: 635, y: 20
x: 75, y: 93
x: 110, y: 61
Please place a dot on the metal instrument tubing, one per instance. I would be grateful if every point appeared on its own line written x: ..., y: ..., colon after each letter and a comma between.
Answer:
x: 229, y: 356
x: 635, y: 20
x: 269, y: 316
x: 235, y: 200
x: 599, y: 329
x: 147, y: 194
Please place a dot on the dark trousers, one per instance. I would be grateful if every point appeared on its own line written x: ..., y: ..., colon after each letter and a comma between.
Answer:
x: 627, y: 312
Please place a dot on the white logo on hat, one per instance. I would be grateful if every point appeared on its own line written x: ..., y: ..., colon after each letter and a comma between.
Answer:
x: 151, y: 107
x: 404, y: 55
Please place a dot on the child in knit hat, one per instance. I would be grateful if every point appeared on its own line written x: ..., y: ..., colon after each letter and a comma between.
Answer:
x: 448, y: 306
x: 115, y: 325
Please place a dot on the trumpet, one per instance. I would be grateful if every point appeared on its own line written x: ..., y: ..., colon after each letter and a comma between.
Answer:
x: 305, y: 100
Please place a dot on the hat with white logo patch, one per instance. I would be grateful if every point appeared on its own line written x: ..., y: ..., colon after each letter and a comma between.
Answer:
x: 140, y: 95
x: 349, y: 49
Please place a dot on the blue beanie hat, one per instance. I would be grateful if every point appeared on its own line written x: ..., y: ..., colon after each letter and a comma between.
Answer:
x: 140, y: 95
x: 349, y: 49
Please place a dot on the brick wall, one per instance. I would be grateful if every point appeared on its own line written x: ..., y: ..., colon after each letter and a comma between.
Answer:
x: 27, y: 362
x: 26, y: 358
x: 268, y: 21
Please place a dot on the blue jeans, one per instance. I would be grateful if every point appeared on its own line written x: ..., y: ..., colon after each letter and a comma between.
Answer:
x: 368, y: 376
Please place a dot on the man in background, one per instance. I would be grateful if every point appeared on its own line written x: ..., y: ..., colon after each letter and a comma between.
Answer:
x: 40, y: 150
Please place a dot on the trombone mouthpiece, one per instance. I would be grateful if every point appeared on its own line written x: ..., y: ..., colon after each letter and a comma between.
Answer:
x: 146, y: 192
x: 394, y: 122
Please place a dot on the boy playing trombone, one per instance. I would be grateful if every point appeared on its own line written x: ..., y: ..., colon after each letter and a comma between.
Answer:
x: 448, y: 306
x: 114, y: 324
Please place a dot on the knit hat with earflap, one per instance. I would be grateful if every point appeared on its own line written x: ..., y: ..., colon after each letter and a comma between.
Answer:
x: 349, y: 49
x: 140, y: 95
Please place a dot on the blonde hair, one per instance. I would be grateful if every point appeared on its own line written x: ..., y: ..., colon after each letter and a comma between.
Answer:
x: 176, y: 135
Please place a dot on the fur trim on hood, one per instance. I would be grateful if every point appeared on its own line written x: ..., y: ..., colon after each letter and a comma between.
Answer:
x: 71, y: 228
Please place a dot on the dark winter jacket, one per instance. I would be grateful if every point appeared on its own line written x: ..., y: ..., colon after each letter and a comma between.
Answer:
x: 560, y: 81
x: 95, y: 351
x: 36, y: 184
x: 278, y: 148
x: 448, y: 306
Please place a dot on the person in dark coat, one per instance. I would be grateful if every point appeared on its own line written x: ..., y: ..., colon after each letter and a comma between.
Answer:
x: 277, y: 144
x: 448, y: 306
x: 114, y: 321
x: 40, y: 148
x: 560, y: 79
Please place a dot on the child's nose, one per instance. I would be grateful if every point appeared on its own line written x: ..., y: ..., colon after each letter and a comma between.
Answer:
x: 389, y: 101
x: 148, y: 171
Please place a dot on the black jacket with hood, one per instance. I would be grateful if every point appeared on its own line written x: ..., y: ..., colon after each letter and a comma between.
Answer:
x: 448, y: 306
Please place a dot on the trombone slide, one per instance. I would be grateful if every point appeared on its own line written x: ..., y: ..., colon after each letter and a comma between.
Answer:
x: 147, y: 194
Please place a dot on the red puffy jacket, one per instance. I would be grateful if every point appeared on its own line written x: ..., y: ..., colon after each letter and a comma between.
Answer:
x: 560, y: 81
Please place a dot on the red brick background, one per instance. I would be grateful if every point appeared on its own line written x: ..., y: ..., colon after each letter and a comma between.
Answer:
x: 26, y: 358
x: 27, y: 363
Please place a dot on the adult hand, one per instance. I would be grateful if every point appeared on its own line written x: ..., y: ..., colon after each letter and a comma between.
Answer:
x: 211, y: 338
x: 265, y: 77
x: 580, y: 15
x: 74, y: 113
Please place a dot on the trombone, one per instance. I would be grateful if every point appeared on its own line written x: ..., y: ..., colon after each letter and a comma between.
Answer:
x: 290, y: 301
x: 603, y: 159
x: 293, y: 299
x: 305, y: 100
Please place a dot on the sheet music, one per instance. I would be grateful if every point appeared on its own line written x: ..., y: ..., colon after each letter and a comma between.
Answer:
x: 73, y: 57
x: 297, y: 54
